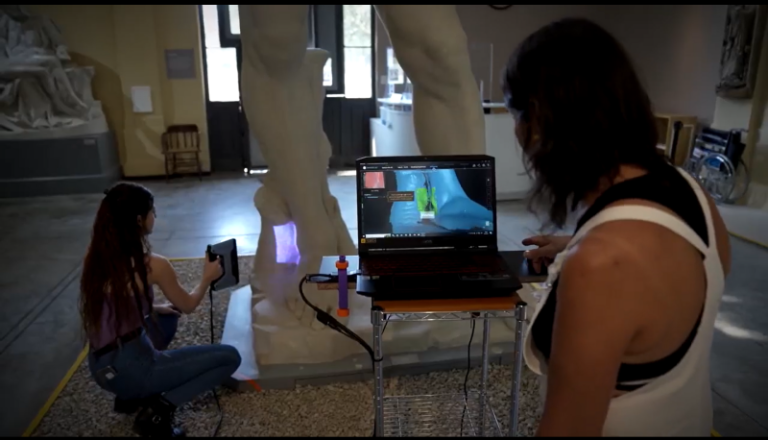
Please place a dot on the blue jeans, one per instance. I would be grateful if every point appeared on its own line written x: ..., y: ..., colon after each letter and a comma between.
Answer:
x: 178, y: 375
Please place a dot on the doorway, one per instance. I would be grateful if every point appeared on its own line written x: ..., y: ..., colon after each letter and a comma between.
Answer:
x: 227, y: 129
x: 345, y: 31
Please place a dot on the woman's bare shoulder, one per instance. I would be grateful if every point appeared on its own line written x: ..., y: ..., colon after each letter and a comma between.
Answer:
x: 158, y: 265
x: 612, y: 258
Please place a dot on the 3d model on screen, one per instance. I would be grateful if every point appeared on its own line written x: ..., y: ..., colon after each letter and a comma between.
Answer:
x: 438, y: 203
x: 300, y: 220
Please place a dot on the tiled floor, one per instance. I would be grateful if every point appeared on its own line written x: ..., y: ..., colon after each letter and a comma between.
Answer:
x: 42, y: 242
x: 747, y: 222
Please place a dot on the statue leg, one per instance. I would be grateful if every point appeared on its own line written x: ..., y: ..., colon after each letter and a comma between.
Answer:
x: 282, y: 98
x: 431, y: 46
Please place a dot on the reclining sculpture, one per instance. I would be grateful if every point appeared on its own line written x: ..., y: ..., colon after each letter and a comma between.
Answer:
x: 41, y: 88
x: 300, y: 220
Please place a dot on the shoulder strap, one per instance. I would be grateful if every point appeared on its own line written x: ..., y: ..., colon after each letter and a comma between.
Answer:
x: 704, y: 202
x: 643, y: 213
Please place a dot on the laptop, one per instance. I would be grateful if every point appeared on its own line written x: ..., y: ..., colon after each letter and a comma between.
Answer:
x: 426, y: 229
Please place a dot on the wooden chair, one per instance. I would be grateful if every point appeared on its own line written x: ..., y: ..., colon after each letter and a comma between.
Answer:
x: 181, y: 147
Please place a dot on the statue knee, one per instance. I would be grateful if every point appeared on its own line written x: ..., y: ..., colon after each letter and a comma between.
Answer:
x: 437, y: 64
x: 281, y: 51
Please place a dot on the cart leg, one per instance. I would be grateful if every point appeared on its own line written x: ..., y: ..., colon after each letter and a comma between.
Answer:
x: 517, y: 372
x: 484, y: 378
x: 378, y: 374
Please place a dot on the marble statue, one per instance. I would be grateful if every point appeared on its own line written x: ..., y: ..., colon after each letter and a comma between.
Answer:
x: 300, y: 220
x: 739, y: 59
x: 40, y: 87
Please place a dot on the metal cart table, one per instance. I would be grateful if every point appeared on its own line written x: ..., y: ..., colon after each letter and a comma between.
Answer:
x: 452, y: 414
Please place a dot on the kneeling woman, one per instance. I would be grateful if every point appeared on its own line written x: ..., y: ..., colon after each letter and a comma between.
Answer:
x: 128, y: 334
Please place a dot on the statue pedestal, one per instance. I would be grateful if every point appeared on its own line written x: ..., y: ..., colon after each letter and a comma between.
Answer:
x: 409, y: 348
x: 87, y: 162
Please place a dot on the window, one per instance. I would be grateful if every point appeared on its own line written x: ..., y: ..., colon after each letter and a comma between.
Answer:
x: 234, y: 19
x: 328, y: 73
x: 395, y: 73
x: 233, y: 23
x: 220, y: 62
x: 221, y: 28
x: 358, y: 51
x: 326, y: 35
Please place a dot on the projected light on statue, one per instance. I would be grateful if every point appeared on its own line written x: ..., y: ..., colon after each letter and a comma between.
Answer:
x: 285, y: 244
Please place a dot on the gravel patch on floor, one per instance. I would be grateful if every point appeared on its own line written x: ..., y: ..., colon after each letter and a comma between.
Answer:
x: 345, y: 409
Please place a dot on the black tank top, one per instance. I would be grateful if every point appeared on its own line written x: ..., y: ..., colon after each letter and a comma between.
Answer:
x: 666, y: 187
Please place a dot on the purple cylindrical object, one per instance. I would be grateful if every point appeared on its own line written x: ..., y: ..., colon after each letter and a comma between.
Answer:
x: 343, y: 298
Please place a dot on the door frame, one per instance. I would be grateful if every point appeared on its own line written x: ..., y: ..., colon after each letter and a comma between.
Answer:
x: 348, y: 108
x: 225, y: 41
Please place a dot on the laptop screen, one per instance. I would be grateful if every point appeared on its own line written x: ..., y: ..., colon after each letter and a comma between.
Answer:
x: 420, y: 202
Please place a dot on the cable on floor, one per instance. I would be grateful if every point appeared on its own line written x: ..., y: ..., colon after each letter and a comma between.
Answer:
x: 466, y: 378
x: 326, y: 319
x: 215, y: 396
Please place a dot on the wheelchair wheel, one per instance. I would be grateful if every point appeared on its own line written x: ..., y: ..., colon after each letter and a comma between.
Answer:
x: 717, y: 175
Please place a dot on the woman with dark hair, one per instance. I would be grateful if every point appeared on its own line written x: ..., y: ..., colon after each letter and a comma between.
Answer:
x: 624, y: 335
x: 127, y: 332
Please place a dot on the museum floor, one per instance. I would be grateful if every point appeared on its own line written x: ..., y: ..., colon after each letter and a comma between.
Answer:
x: 42, y: 242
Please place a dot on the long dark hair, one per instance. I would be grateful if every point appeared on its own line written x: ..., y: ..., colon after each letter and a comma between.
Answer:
x: 575, y: 85
x: 118, y: 253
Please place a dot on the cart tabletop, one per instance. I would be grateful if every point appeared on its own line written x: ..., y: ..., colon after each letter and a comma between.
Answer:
x: 450, y: 305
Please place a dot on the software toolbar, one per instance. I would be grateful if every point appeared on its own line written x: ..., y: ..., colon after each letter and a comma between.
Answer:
x: 421, y: 166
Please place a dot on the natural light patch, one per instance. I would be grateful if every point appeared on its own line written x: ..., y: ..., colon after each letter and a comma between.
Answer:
x: 346, y: 173
x: 358, y: 51
x: 231, y: 228
x: 234, y: 19
x: 223, y: 83
x: 730, y: 299
x: 328, y: 73
x: 735, y: 331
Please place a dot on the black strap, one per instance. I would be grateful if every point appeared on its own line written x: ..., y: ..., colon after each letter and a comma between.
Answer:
x: 664, y: 186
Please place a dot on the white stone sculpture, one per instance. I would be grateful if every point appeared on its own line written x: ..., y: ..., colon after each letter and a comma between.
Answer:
x: 40, y: 88
x: 300, y: 220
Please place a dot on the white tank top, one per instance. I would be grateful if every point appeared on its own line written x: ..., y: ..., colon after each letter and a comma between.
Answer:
x: 679, y: 403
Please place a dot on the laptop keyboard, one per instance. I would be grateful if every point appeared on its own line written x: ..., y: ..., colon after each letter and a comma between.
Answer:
x: 429, y: 264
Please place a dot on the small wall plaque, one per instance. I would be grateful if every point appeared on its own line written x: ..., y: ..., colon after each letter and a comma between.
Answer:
x: 180, y: 63
x: 141, y: 97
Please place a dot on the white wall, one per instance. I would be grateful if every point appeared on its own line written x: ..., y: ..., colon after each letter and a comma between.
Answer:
x: 676, y: 48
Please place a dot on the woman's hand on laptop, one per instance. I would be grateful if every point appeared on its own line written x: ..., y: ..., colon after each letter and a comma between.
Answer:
x: 548, y: 247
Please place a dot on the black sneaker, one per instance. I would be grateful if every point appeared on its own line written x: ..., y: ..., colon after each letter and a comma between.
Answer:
x: 156, y: 420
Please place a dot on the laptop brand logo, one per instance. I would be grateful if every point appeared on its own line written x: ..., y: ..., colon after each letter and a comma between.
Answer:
x: 427, y: 241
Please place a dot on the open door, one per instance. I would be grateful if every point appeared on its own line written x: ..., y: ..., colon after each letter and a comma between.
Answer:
x: 347, y: 32
x: 221, y: 61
